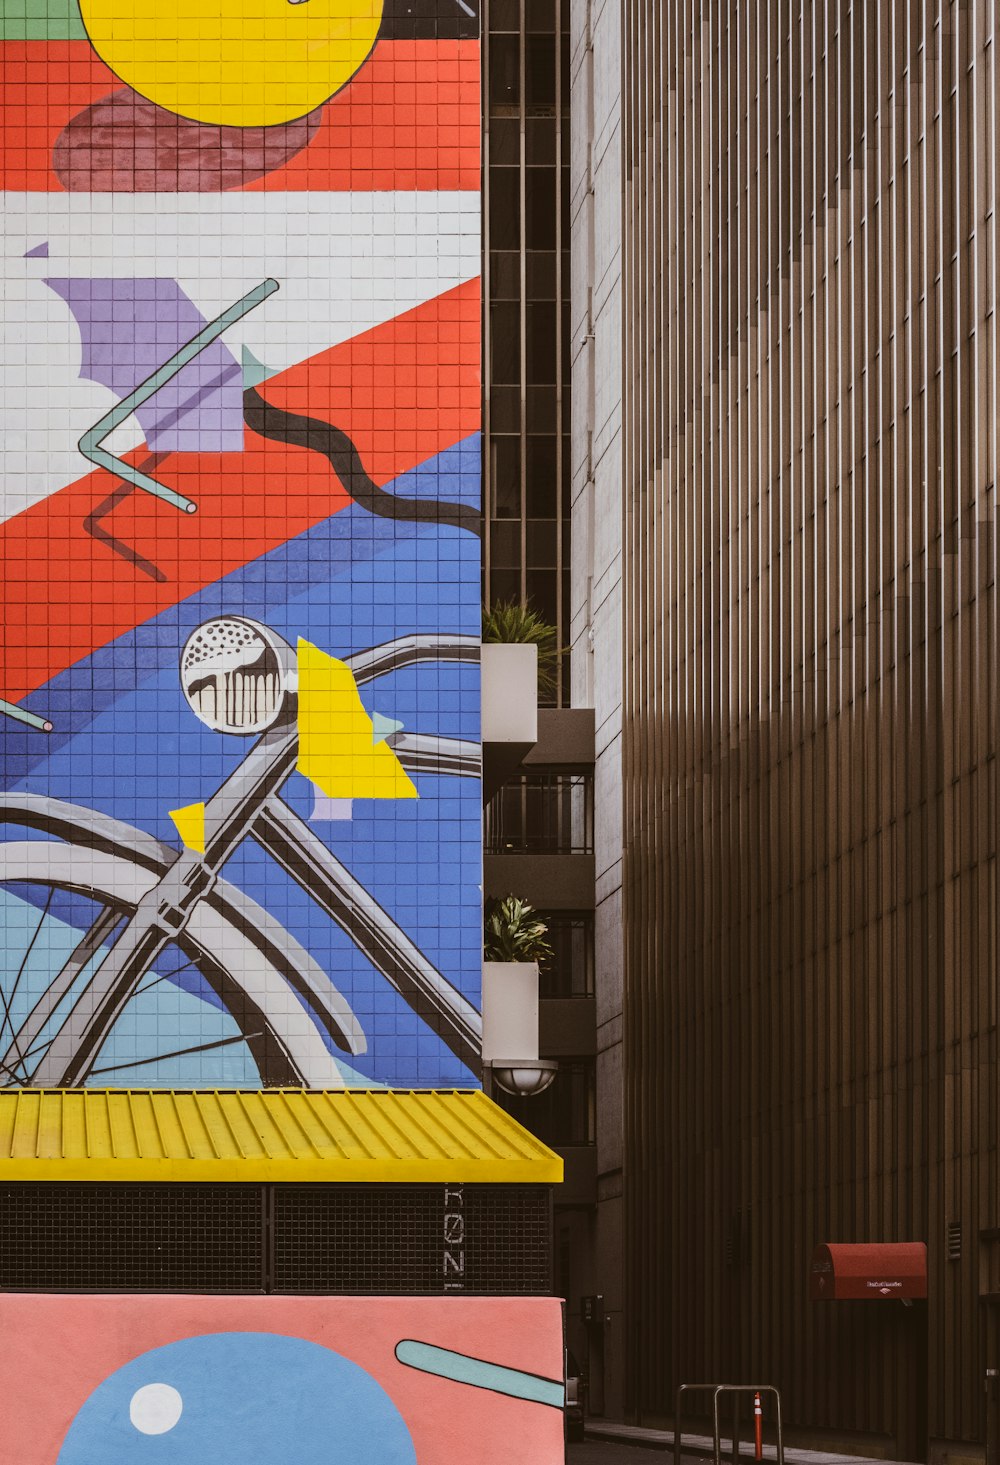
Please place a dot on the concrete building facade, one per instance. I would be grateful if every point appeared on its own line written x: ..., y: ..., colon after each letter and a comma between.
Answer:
x: 597, y: 623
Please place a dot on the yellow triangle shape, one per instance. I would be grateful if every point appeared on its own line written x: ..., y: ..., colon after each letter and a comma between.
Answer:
x: 190, y: 825
x: 337, y: 751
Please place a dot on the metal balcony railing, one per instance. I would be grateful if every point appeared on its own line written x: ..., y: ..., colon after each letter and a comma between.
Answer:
x: 542, y: 813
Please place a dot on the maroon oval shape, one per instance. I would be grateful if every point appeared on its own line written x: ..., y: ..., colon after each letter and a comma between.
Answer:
x: 124, y: 144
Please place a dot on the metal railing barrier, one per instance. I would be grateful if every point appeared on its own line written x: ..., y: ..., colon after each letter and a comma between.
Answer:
x: 717, y: 1391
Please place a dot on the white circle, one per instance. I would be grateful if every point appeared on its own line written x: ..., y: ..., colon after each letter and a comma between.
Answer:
x: 155, y: 1408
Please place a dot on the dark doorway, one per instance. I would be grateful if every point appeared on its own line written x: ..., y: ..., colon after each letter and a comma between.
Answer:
x: 911, y: 1379
x: 991, y: 1384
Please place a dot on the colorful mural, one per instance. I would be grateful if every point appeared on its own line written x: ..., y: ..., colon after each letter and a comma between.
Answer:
x: 176, y: 1380
x: 239, y: 412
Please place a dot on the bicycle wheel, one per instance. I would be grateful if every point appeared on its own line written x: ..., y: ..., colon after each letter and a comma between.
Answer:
x: 223, y: 1011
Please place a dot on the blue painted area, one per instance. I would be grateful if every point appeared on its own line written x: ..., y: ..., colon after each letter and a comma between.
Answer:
x: 127, y: 744
x: 239, y: 1399
x: 461, y: 1368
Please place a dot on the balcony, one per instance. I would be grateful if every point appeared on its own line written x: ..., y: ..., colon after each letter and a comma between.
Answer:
x: 539, y: 840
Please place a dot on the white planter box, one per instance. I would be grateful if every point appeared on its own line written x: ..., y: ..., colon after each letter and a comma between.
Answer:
x: 510, y: 1011
x: 510, y: 694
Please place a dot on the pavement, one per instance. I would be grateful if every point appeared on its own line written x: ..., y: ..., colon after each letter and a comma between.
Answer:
x: 622, y: 1444
x: 610, y: 1452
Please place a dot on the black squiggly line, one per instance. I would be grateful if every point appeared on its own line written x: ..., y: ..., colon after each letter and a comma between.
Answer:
x: 309, y: 432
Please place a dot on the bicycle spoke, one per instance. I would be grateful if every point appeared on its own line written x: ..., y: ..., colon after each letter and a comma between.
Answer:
x: 9, y: 1000
x: 166, y: 977
x: 178, y: 1053
x: 24, y: 1042
x: 39, y: 1048
x: 17, y: 1080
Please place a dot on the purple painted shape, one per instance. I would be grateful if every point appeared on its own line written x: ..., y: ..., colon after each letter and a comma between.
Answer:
x: 129, y: 327
x: 40, y: 251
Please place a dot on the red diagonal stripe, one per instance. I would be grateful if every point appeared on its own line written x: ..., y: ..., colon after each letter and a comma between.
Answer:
x: 403, y: 392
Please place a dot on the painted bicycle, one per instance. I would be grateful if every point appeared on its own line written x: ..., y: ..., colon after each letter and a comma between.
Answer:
x: 141, y: 913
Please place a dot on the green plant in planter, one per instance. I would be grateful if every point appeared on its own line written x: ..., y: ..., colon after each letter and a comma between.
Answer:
x: 513, y: 932
x: 509, y: 622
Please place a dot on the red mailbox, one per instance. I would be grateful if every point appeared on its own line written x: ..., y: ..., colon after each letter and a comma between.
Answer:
x: 869, y: 1271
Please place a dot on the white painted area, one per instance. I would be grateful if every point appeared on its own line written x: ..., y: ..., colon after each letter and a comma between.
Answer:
x: 509, y: 693
x: 155, y: 1408
x: 326, y: 809
x: 344, y: 263
x: 510, y: 1011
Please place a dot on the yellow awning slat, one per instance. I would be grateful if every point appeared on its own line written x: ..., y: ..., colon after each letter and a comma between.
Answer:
x: 267, y: 1136
x: 331, y: 1139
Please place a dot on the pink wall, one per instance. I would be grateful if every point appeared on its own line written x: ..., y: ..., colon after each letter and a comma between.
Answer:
x: 60, y: 1349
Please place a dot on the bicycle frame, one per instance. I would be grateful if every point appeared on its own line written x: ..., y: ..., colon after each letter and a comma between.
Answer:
x: 248, y: 805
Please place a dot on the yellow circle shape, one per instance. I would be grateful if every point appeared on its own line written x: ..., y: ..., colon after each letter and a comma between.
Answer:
x: 234, y: 63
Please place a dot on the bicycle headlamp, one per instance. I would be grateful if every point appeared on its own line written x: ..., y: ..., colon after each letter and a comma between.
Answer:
x: 237, y: 675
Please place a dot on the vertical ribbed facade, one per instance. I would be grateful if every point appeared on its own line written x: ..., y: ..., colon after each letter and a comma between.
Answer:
x: 812, y: 397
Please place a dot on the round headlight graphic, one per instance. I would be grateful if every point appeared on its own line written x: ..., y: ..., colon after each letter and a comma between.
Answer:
x: 236, y: 674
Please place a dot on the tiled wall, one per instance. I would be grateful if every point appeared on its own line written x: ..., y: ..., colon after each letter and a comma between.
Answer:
x: 159, y: 1380
x: 239, y: 417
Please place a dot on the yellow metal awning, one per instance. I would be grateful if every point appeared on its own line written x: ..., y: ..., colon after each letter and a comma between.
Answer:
x: 374, y: 1135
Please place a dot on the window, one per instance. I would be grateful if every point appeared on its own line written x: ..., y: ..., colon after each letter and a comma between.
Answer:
x: 505, y: 71
x: 570, y: 970
x: 505, y: 208
x: 540, y: 211
x: 542, y: 813
x: 505, y: 342
x: 564, y: 1114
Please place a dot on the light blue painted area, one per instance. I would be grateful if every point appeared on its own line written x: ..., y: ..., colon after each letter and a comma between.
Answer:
x: 162, y: 1017
x: 239, y: 1399
x: 478, y: 1374
x: 33, y: 946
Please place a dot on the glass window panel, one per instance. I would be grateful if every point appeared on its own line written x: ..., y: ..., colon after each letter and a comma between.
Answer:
x: 540, y: 15
x: 505, y: 208
x: 569, y: 972
x: 540, y: 141
x: 543, y: 591
x: 540, y: 71
x: 540, y: 209
x: 505, y: 342
x: 542, y: 409
x: 505, y: 477
x: 505, y: 71
x: 505, y: 544
x: 505, y: 585
x: 541, y: 317
x: 505, y: 409
x: 542, y: 813
x: 542, y: 497
x: 540, y: 463
x: 505, y: 275
x: 505, y: 141
x: 564, y: 1114
x: 541, y: 275
x: 542, y: 543
x: 505, y: 15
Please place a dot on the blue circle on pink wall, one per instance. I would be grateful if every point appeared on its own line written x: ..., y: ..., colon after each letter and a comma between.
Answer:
x: 239, y: 1399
